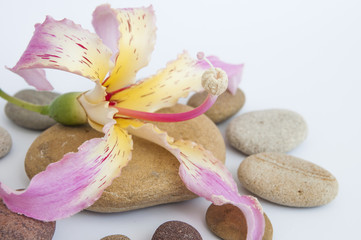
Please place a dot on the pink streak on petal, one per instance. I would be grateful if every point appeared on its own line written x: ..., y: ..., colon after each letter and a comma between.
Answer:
x: 75, y: 182
x: 234, y: 71
x: 106, y: 26
x: 169, y: 117
x: 35, y: 77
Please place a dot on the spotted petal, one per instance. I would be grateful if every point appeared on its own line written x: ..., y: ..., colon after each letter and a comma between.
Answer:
x: 179, y: 78
x: 66, y: 46
x: 136, y: 43
x: 203, y: 174
x: 75, y: 182
x: 234, y: 71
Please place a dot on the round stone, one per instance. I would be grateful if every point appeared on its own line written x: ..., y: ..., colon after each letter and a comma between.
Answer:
x: 275, y: 130
x: 115, y: 237
x: 176, y: 230
x: 287, y: 180
x: 5, y: 142
x: 226, y: 105
x: 228, y: 222
x: 29, y: 119
x: 151, y: 177
x: 15, y: 226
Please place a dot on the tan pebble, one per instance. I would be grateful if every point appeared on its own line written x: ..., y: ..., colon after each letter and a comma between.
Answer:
x: 226, y: 105
x: 151, y: 177
x: 274, y: 130
x: 287, y: 180
x: 5, y: 142
x: 115, y: 237
x: 228, y: 222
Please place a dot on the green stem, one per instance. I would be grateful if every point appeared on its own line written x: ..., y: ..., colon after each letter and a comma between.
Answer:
x: 42, y: 109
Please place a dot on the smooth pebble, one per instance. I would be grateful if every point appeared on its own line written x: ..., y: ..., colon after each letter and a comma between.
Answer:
x: 151, y: 177
x: 226, y: 105
x: 287, y: 180
x: 275, y: 130
x: 115, y: 237
x: 176, y: 230
x: 29, y: 119
x: 5, y: 142
x: 228, y: 222
x: 16, y: 226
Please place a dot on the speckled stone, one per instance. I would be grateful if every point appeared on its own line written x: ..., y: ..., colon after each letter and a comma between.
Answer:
x: 226, y: 105
x: 275, y: 130
x: 5, y: 142
x: 151, y: 177
x: 115, y: 237
x: 18, y: 227
x: 176, y: 230
x: 29, y: 119
x: 228, y: 223
x: 287, y: 180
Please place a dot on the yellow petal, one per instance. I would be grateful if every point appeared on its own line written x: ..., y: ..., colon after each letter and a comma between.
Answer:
x: 177, y: 80
x: 136, y: 43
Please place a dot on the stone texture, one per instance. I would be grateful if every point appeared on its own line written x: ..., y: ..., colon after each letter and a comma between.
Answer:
x: 29, y: 119
x: 151, y: 178
x: 275, y: 130
x: 228, y: 223
x: 5, y: 142
x: 287, y: 180
x: 226, y: 105
x: 19, y: 227
x: 115, y: 237
x: 176, y: 230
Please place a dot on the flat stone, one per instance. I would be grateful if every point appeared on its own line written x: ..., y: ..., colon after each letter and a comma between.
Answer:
x: 29, y: 119
x: 287, y: 180
x: 228, y: 222
x: 15, y: 226
x: 151, y: 177
x: 226, y: 105
x: 275, y: 130
x: 5, y: 142
x: 115, y: 237
x: 176, y: 230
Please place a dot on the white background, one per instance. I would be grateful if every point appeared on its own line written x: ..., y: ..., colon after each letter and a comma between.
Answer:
x: 302, y: 55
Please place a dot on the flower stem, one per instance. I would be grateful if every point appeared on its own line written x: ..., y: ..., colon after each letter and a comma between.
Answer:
x: 42, y: 109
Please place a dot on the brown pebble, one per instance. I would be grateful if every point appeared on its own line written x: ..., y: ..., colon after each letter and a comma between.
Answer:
x: 20, y: 227
x: 226, y: 105
x: 176, y: 230
x: 228, y: 222
x: 115, y: 237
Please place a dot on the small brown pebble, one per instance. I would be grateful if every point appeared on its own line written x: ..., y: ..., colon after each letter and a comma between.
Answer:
x: 228, y: 222
x: 115, y: 237
x: 19, y: 227
x: 226, y: 105
x: 176, y: 230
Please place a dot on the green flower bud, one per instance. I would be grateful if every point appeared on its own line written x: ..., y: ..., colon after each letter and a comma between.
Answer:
x: 67, y: 110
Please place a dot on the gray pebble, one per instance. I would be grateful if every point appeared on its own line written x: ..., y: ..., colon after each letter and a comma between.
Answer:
x: 29, y: 119
x: 287, y: 180
x: 5, y: 142
x: 275, y: 130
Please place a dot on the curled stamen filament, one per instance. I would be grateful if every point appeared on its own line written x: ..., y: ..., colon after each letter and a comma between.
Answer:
x: 168, y: 117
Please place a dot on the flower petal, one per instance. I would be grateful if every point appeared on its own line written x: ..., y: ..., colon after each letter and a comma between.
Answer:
x: 234, y: 71
x: 137, y: 38
x: 66, y: 46
x: 75, y: 182
x: 178, y: 79
x: 203, y: 174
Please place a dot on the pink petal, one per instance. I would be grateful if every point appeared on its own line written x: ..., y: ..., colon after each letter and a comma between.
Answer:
x: 233, y: 71
x: 203, y: 174
x: 106, y: 25
x: 76, y: 181
x: 66, y: 46
x: 136, y: 43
